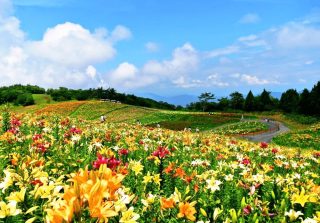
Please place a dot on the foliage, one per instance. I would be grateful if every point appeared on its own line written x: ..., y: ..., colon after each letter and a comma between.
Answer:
x: 205, y: 98
x: 249, y: 102
x: 5, y: 119
x: 304, y: 106
x: 289, y: 101
x: 302, y: 119
x: 25, y: 99
x: 236, y: 100
x: 19, y: 94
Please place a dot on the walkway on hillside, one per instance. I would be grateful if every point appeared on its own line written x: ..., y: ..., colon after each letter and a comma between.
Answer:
x: 275, y: 128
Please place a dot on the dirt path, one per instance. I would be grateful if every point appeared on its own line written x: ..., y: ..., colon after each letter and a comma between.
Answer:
x: 275, y: 128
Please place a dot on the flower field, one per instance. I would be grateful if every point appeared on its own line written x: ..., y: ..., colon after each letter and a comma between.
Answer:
x: 63, y: 108
x: 307, y: 138
x: 87, y: 112
x: 59, y: 169
x: 242, y: 128
x: 180, y: 121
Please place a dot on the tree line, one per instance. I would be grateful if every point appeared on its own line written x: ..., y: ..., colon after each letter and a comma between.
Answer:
x: 22, y: 95
x: 291, y: 101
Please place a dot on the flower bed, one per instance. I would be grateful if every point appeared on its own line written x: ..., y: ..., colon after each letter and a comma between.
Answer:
x: 242, y: 128
x: 63, y: 170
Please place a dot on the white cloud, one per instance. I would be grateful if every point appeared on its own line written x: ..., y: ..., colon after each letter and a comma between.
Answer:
x: 128, y: 76
x: 252, y: 41
x: 152, y: 47
x: 250, y: 18
x: 182, y: 82
x: 120, y: 33
x: 247, y: 38
x: 297, y: 35
x: 91, y: 71
x: 71, y: 45
x: 254, y: 80
x: 215, y: 80
x: 184, y: 59
x: 6, y: 8
x: 224, y: 51
x: 309, y: 62
x: 123, y: 72
x: 65, y: 56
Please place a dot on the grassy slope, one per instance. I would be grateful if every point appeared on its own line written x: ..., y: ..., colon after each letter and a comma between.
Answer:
x: 92, y: 110
x: 40, y: 99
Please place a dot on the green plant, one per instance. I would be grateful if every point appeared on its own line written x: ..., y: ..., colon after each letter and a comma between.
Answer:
x: 5, y: 119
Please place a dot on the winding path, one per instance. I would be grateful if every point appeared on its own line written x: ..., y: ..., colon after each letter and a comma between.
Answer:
x: 275, y: 128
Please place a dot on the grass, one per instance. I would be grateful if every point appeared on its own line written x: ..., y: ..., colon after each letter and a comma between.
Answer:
x: 40, y: 99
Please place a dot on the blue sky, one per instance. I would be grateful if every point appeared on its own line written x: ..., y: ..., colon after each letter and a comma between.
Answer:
x: 165, y: 47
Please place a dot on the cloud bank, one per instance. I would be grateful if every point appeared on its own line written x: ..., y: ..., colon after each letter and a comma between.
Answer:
x: 69, y: 54
x: 65, y: 56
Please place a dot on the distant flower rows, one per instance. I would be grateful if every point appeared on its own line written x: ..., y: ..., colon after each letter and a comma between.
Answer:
x: 242, y: 128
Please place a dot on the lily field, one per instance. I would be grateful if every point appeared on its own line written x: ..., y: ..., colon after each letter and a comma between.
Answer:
x: 60, y: 164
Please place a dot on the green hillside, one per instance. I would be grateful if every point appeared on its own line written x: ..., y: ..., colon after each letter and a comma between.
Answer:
x: 40, y: 99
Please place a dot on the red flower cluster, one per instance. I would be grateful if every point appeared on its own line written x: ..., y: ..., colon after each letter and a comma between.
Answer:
x: 36, y: 137
x: 41, y: 145
x: 220, y: 156
x: 36, y: 181
x: 72, y: 131
x: 274, y: 150
x: 15, y: 122
x: 234, y: 142
x: 316, y: 154
x: 65, y: 122
x: 161, y: 152
x: 111, y: 162
x: 247, y: 209
x: 14, y: 125
x: 263, y: 145
x: 123, y: 152
x: 13, y: 130
x: 245, y: 161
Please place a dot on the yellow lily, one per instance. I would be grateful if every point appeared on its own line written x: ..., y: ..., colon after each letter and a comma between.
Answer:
x: 9, y: 209
x: 301, y: 198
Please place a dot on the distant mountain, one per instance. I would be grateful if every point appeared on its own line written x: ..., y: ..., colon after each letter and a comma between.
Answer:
x: 182, y: 100
x: 185, y: 99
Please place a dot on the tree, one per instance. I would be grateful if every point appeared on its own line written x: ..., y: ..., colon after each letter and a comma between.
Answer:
x: 224, y: 103
x: 236, y: 100
x: 315, y: 99
x: 249, y: 104
x: 265, y: 102
x: 25, y: 99
x: 304, y: 106
x: 204, y: 99
x: 289, y: 101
